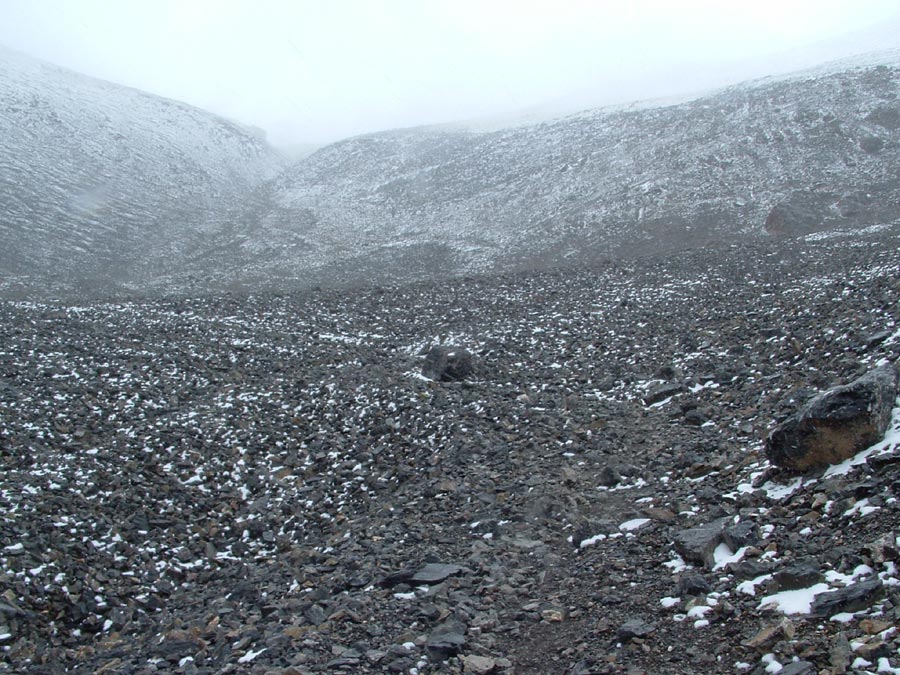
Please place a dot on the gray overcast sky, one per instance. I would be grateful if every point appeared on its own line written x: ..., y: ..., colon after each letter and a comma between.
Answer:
x: 320, y: 70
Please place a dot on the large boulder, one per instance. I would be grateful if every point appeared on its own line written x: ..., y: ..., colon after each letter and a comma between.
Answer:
x: 448, y: 364
x: 698, y: 544
x: 837, y: 424
x: 802, y: 212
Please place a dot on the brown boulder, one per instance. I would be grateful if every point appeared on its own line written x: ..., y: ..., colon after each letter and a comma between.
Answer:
x: 837, y: 424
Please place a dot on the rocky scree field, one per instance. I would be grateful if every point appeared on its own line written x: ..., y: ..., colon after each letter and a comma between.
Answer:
x: 267, y: 484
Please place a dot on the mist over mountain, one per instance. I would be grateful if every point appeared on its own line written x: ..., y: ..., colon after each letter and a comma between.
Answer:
x: 109, y: 189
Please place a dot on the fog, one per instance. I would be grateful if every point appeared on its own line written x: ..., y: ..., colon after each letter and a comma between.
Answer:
x: 314, y: 72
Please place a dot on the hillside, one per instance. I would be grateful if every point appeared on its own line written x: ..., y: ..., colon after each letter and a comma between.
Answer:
x: 104, y: 187
x: 108, y: 191
x: 782, y: 156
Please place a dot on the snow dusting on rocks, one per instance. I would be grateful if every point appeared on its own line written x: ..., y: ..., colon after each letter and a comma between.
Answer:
x: 266, y: 483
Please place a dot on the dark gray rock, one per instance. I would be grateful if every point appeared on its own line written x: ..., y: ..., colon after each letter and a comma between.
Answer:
x: 800, y: 213
x: 447, y: 364
x: 871, y: 144
x: 435, y: 573
x: 446, y: 640
x: 876, y: 339
x: 698, y: 544
x: 836, y: 424
x: 315, y: 614
x: 693, y: 585
x: 850, y: 599
x: 798, y: 668
x: 662, y: 392
x: 634, y: 628
x: 695, y: 417
x: 745, y: 533
x: 798, y: 575
x: 609, y: 476
x: 747, y: 569
x: 887, y: 116
x: 431, y: 573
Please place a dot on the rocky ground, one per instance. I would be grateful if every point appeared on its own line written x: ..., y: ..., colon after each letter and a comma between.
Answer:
x: 267, y: 484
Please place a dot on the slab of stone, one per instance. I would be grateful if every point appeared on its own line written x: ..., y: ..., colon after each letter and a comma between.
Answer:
x: 850, y: 599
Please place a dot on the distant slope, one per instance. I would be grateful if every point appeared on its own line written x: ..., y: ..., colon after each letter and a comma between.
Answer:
x: 105, y: 189
x: 102, y: 185
x: 780, y: 156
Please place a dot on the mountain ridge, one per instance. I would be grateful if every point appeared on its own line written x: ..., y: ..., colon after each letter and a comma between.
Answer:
x: 596, y: 184
x: 189, y: 202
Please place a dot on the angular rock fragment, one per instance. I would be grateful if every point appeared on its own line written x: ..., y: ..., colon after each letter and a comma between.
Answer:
x: 446, y: 640
x: 839, y: 654
x: 698, y: 544
x: 884, y: 548
x: 800, y: 213
x: 634, y: 628
x: 850, y: 599
x: 692, y: 584
x: 745, y: 533
x: 478, y: 665
x: 435, y: 573
x: 447, y: 364
x: 432, y: 573
x: 837, y: 424
x: 798, y: 668
x: 798, y: 575
x: 766, y: 637
x: 661, y: 392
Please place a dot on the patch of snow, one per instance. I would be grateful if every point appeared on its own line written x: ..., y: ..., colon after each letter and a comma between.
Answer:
x: 794, y: 602
x: 778, y: 492
x: 698, y: 611
x: 590, y: 541
x: 723, y: 555
x: 677, y: 564
x: 843, y: 617
x: 631, y: 525
x: 749, y: 587
x: 405, y: 596
x: 772, y: 666
x: 884, y: 666
x: 250, y: 655
x: 860, y: 508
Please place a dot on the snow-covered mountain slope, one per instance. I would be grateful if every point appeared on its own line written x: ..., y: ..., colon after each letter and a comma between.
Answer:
x: 776, y: 156
x: 104, y: 188
x: 102, y: 184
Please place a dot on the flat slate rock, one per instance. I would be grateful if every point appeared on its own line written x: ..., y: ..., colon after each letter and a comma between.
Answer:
x: 798, y: 668
x: 634, y: 628
x: 447, y: 639
x: 661, y: 392
x: 431, y: 573
x: 850, y: 599
x: 435, y: 573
